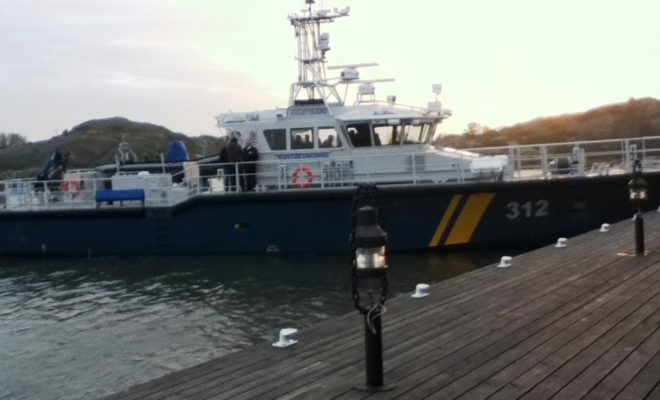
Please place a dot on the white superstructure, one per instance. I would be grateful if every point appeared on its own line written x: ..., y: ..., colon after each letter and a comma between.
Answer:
x: 326, y: 139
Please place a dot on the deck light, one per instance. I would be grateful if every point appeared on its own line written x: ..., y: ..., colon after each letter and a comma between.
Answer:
x: 370, y: 290
x: 637, y: 188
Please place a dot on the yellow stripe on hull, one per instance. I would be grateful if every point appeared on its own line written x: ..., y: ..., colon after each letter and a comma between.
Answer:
x: 469, y: 218
x: 446, y: 217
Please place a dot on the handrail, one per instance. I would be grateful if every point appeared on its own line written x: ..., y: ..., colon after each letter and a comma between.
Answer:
x: 552, y: 144
x: 543, y: 161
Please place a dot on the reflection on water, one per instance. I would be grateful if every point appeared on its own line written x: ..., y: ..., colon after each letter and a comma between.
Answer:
x: 80, y: 328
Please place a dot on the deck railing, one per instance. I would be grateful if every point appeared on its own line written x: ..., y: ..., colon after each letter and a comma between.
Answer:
x: 545, y: 161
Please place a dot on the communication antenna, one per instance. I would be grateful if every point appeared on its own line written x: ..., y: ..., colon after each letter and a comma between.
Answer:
x: 436, y: 106
x: 437, y: 89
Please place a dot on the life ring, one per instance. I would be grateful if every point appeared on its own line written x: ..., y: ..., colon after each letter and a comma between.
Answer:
x: 71, y: 186
x: 303, y: 169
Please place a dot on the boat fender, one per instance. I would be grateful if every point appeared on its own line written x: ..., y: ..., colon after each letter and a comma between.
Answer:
x: 71, y: 186
x: 300, y: 182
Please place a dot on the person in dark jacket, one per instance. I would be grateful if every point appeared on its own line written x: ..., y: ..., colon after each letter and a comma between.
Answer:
x: 234, y: 155
x: 250, y: 156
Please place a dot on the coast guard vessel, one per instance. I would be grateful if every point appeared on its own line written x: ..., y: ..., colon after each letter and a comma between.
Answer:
x: 298, y: 196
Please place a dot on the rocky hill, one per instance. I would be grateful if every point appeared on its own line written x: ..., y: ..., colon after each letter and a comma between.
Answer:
x: 635, y: 118
x: 95, y: 142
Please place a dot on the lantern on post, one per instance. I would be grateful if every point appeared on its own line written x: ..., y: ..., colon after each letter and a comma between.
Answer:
x: 369, y: 270
x: 637, y: 192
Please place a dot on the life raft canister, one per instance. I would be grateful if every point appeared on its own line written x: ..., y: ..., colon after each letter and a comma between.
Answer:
x: 300, y: 182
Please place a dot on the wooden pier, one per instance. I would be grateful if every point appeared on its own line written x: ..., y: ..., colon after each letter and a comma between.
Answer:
x: 580, y: 322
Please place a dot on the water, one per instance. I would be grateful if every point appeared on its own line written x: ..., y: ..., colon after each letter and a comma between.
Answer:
x: 75, y: 328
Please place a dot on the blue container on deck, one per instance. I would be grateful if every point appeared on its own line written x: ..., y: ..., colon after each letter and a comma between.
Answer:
x: 176, y: 152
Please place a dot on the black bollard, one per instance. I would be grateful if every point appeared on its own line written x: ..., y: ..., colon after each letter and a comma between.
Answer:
x: 637, y: 192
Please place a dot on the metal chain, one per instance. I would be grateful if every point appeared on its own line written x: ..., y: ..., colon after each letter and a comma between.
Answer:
x: 375, y: 312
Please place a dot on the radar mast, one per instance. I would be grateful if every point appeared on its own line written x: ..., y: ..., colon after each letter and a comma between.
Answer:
x: 312, y: 85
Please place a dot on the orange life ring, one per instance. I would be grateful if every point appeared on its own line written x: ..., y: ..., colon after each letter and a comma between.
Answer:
x: 71, y: 186
x: 303, y: 169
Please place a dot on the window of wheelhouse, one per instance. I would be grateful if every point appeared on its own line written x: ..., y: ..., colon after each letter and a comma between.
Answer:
x: 276, y: 138
x: 302, y: 138
x: 328, y: 138
x: 387, y: 135
x: 416, y: 133
x: 359, y: 134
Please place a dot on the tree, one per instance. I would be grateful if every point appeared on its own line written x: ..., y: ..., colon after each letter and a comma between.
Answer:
x: 11, y: 139
x: 474, y: 129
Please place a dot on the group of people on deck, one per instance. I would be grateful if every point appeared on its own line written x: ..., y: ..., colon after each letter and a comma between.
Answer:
x: 55, y: 166
x: 247, y: 156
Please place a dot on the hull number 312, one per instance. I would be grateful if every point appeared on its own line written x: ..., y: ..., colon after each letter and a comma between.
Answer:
x: 527, y: 209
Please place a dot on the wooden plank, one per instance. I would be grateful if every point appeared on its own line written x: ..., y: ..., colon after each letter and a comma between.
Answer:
x: 567, y: 384
x: 635, y: 326
x: 644, y: 382
x: 451, y: 353
x: 625, y: 372
x: 524, y: 348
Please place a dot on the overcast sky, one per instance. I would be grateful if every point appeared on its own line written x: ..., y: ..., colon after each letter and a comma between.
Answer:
x: 178, y: 63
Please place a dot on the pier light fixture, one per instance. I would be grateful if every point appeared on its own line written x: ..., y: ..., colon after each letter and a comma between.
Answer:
x: 637, y: 188
x: 637, y: 185
x: 370, y: 260
x: 370, y: 266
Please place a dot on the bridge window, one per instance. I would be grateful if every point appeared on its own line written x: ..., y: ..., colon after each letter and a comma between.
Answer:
x: 276, y: 138
x: 328, y: 138
x: 302, y: 138
x: 359, y: 134
x: 413, y: 134
x: 387, y: 135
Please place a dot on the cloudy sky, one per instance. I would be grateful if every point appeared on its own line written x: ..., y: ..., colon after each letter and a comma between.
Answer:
x: 178, y: 63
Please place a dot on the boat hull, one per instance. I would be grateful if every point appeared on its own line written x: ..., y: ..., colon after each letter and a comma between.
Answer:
x: 314, y: 221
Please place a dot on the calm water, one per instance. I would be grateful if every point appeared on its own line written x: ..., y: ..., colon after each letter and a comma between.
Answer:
x: 75, y: 328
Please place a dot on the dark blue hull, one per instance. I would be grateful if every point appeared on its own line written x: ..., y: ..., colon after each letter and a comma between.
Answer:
x: 417, y: 217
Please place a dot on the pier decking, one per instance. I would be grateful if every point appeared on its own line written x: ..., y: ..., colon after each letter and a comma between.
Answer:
x: 562, y: 323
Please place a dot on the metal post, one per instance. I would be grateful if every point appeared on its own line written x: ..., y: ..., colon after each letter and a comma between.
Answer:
x: 639, y: 233
x: 638, y: 192
x: 369, y: 277
x: 373, y: 342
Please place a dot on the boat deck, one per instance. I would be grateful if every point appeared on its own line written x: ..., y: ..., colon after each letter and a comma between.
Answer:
x: 564, y: 323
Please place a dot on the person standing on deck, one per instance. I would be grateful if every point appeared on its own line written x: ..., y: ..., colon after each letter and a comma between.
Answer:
x: 250, y: 156
x: 234, y: 155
